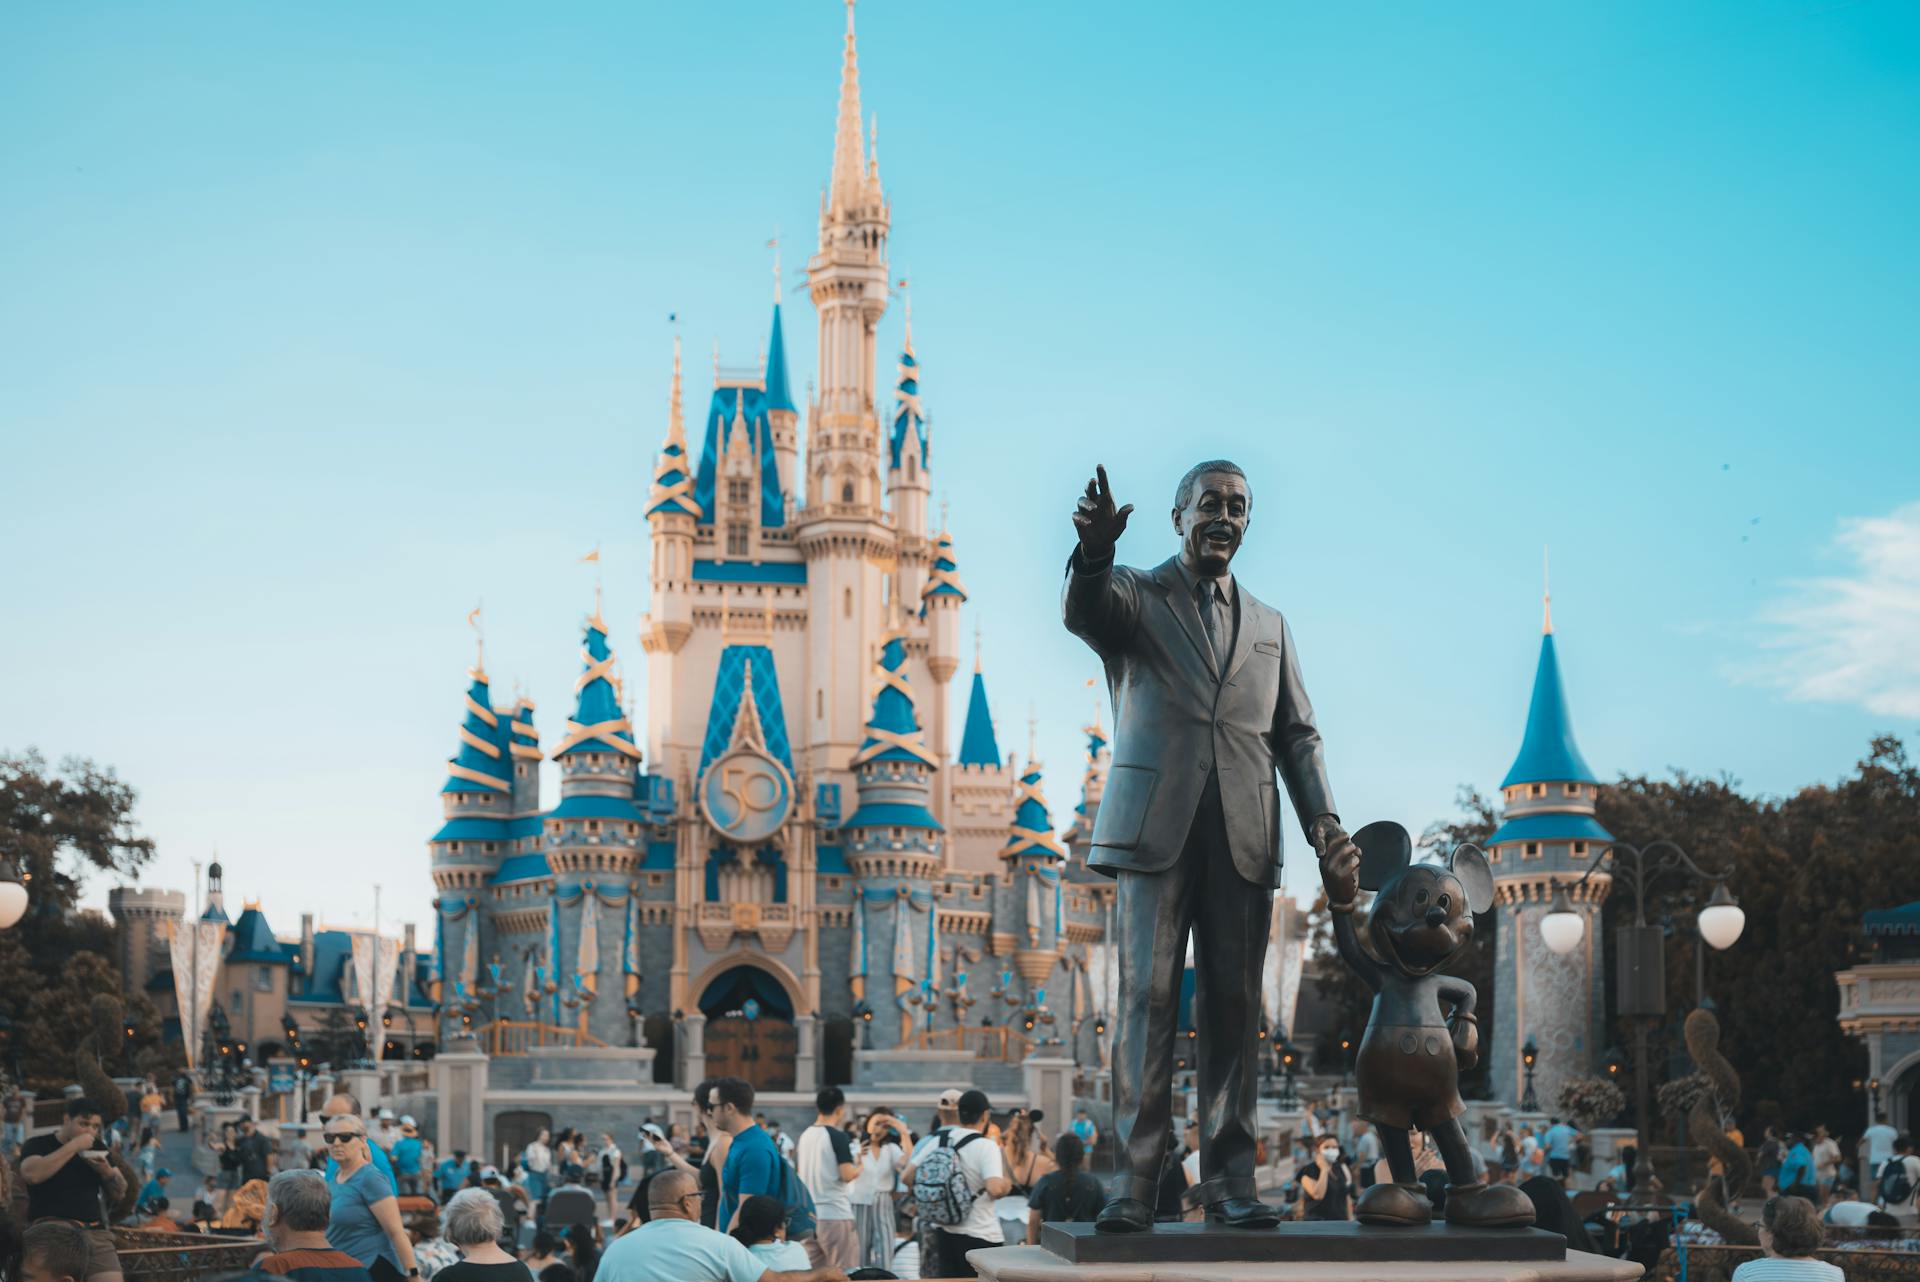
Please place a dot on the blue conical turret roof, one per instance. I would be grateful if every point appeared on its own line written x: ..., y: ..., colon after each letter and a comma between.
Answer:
x: 522, y: 739
x: 893, y: 731
x: 909, y: 420
x: 1096, y: 744
x: 1548, y: 753
x: 480, y: 762
x: 779, y: 394
x: 944, y: 578
x: 598, y: 724
x: 978, y: 746
x: 1031, y: 832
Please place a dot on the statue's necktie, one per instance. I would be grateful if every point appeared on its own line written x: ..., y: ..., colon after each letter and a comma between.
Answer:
x: 1209, y: 618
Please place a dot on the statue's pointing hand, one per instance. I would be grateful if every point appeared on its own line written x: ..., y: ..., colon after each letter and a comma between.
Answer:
x: 1339, y: 862
x: 1099, y: 525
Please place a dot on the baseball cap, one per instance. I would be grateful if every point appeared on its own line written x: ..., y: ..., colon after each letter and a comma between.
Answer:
x: 406, y: 1119
x: 489, y: 1172
x: 386, y: 1115
x: 653, y: 1130
x: 162, y: 1173
x: 949, y: 1098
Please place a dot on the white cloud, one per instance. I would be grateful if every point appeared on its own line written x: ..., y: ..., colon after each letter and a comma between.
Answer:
x: 1854, y: 638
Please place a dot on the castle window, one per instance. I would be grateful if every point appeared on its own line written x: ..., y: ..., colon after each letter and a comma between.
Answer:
x: 1539, y: 790
x: 736, y: 490
x: 453, y: 847
x: 1533, y: 850
x: 1571, y: 789
x: 1493, y: 856
x: 846, y: 606
x: 819, y: 704
x: 737, y: 539
x: 263, y: 979
x: 909, y: 466
x: 1579, y: 850
x: 491, y: 847
x: 846, y: 491
x: 593, y: 825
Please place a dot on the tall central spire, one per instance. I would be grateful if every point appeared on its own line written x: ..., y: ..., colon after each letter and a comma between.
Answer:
x: 849, y: 159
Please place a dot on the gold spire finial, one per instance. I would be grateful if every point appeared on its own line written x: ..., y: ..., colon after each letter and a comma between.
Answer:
x: 976, y: 645
x: 774, y: 245
x: 716, y: 362
x: 479, y: 643
x: 849, y: 165
x: 1546, y: 597
x: 1033, y: 731
x: 676, y: 422
x: 905, y: 286
x: 873, y: 150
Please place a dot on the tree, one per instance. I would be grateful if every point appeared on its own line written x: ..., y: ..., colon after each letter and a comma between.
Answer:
x: 1804, y: 868
x: 58, y: 826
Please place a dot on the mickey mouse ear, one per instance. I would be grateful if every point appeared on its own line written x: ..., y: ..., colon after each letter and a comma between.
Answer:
x: 1385, y: 849
x: 1470, y: 866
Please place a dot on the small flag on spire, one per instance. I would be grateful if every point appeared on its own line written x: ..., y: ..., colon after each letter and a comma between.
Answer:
x: 591, y: 556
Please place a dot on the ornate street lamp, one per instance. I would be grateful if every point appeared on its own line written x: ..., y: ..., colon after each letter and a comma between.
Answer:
x: 1529, y: 1056
x: 1640, y: 953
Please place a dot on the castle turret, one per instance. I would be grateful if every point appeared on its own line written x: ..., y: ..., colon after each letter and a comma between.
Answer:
x: 1093, y: 782
x: 524, y: 757
x: 1548, y: 836
x: 1033, y: 857
x: 144, y: 917
x: 783, y: 418
x: 894, y: 844
x: 843, y: 532
x: 593, y: 840
x: 908, y: 483
x: 980, y: 784
x: 477, y: 798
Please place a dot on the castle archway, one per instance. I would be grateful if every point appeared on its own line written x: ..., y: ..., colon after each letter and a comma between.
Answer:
x: 750, y: 1031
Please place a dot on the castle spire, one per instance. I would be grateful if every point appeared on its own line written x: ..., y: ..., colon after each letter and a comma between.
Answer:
x: 909, y: 419
x: 598, y: 724
x: 978, y: 744
x: 779, y: 391
x: 672, y: 482
x: 1548, y: 753
x: 893, y: 729
x: 1546, y: 596
x: 478, y: 764
x: 849, y: 162
x: 1031, y: 832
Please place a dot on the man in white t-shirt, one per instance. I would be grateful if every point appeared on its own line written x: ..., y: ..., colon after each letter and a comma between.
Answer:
x: 980, y: 1160
x: 1876, y: 1149
x: 824, y: 1159
x: 673, y: 1246
x: 1826, y: 1159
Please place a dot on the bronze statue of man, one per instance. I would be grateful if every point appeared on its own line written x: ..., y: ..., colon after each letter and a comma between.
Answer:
x: 1208, y: 706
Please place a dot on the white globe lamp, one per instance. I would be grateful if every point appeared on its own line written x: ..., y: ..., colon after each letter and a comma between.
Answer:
x: 1562, y: 927
x: 13, y: 895
x: 1722, y: 920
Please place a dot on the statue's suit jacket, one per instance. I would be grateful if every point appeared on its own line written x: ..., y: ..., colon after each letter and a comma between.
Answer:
x: 1178, y: 717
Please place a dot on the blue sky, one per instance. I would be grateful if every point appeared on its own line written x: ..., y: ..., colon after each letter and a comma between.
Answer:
x: 322, y: 324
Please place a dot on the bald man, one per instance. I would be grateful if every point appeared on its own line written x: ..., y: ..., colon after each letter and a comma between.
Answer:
x: 673, y: 1246
x: 343, y: 1104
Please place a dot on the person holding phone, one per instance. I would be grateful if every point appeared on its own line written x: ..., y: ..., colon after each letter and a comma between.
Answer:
x: 1326, y: 1184
x: 66, y: 1172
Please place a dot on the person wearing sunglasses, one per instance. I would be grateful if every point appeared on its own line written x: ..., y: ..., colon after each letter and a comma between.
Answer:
x: 365, y: 1222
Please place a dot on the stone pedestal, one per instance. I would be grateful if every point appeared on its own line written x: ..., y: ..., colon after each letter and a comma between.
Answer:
x: 364, y: 1085
x: 1049, y: 1084
x: 458, y: 1077
x: 692, y: 1044
x: 1340, y: 1250
x: 806, y: 1059
x: 1037, y: 1264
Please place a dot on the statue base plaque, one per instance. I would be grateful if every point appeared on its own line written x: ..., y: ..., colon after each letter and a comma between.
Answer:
x: 1298, y: 1251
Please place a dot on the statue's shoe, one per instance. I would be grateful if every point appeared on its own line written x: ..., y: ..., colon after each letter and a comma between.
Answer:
x: 1244, y: 1213
x: 1396, y: 1204
x: 1124, y: 1215
x: 1488, y: 1206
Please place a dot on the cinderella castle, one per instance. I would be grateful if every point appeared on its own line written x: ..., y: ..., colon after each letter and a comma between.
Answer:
x: 790, y: 859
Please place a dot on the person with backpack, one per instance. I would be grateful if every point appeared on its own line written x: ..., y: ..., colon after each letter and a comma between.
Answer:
x: 754, y: 1166
x: 955, y: 1182
x: 1900, y: 1177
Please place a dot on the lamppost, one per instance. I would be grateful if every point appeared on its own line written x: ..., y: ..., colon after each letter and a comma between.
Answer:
x: 1529, y: 1055
x: 1640, y: 956
x: 1289, y: 1061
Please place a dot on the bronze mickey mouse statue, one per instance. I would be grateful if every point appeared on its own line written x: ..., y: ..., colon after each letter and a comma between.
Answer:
x: 1410, y: 1057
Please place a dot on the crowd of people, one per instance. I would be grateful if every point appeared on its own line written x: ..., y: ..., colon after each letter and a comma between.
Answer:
x: 735, y: 1198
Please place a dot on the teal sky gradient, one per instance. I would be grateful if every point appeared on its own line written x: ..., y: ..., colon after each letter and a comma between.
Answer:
x: 320, y: 324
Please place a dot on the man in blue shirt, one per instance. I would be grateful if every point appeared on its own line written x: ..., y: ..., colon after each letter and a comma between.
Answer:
x: 754, y: 1165
x: 1559, y: 1145
x: 1796, y: 1169
x: 451, y: 1175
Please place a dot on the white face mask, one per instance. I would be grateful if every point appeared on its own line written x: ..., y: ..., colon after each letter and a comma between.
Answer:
x: 1330, y: 1154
